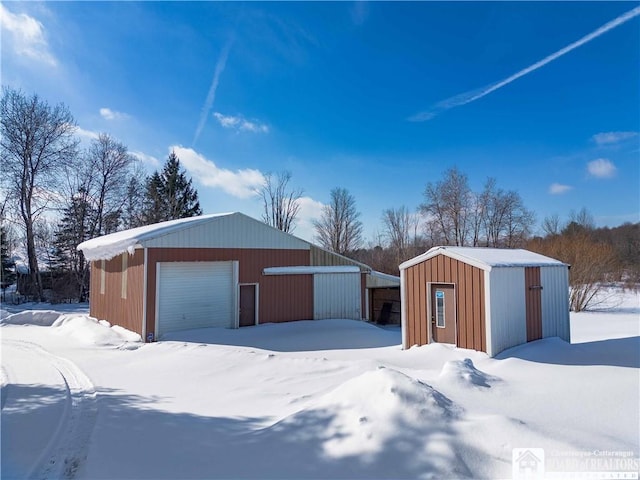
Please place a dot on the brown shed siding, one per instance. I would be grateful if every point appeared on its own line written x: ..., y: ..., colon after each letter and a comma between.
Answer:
x: 470, y: 301
x: 110, y: 306
x: 281, y: 297
x: 533, y: 299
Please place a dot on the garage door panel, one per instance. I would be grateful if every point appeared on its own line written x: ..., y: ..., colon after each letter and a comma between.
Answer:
x: 337, y: 295
x: 195, y: 295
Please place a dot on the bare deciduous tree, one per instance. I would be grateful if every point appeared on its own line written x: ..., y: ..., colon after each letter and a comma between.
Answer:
x: 583, y: 218
x: 551, y: 225
x: 449, y: 208
x: 36, y: 142
x: 520, y: 221
x: 339, y: 228
x: 457, y: 216
x: 134, y: 205
x: 281, y: 205
x: 507, y: 223
x: 107, y: 169
x: 400, y: 229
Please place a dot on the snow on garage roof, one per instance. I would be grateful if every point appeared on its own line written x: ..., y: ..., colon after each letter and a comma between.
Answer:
x: 486, y: 258
x: 109, y: 246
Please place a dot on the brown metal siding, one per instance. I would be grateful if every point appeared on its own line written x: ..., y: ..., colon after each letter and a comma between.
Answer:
x: 111, y: 306
x: 470, y: 301
x: 533, y: 298
x: 422, y: 291
x: 416, y: 308
x: 282, y: 298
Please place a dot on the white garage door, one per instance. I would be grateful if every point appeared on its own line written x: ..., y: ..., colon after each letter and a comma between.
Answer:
x: 195, y: 295
x: 337, y: 295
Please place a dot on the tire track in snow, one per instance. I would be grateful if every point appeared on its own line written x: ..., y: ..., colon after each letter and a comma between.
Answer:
x: 4, y: 384
x: 67, y: 450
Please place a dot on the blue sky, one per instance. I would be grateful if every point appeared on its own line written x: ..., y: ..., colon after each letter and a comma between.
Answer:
x: 379, y: 98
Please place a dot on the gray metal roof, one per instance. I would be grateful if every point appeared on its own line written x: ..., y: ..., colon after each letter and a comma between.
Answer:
x: 226, y: 230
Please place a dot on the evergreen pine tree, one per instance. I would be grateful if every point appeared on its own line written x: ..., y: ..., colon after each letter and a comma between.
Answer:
x: 180, y: 197
x: 74, y: 228
x: 8, y: 272
x: 153, y: 200
x: 170, y: 195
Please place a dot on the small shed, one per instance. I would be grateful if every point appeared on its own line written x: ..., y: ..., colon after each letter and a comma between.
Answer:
x: 226, y: 270
x: 486, y: 299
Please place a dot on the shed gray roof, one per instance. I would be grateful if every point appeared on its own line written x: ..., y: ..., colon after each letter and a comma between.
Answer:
x: 487, y: 258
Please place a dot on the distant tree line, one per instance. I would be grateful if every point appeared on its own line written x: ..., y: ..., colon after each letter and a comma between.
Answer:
x: 453, y: 214
x: 597, y: 256
x: 93, y: 192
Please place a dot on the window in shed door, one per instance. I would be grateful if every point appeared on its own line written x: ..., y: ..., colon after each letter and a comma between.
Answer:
x: 439, y: 309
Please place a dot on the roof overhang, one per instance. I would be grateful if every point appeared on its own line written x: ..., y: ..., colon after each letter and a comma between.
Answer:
x: 309, y: 270
x: 382, y: 280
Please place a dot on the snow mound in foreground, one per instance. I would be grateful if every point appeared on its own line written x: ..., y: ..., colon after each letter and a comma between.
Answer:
x: 85, y: 329
x: 43, y: 318
x: 90, y: 331
x: 464, y: 372
x: 362, y: 416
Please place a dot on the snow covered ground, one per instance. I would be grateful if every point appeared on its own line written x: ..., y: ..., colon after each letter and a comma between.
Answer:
x: 316, y: 399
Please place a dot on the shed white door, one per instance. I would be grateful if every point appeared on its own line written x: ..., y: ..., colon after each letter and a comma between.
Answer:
x: 337, y: 295
x: 195, y: 295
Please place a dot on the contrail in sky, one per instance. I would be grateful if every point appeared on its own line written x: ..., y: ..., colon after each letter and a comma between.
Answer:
x: 211, y: 96
x: 468, y: 97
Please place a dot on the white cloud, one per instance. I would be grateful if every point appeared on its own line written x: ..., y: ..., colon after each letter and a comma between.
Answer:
x: 607, y: 138
x: 310, y: 210
x: 144, y: 158
x: 86, y: 134
x: 240, y: 123
x: 109, y: 114
x: 601, y: 168
x: 559, y: 189
x: 240, y: 183
x: 473, y: 95
x: 25, y: 36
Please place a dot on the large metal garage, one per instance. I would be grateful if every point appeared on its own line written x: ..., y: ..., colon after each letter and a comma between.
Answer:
x: 217, y: 271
